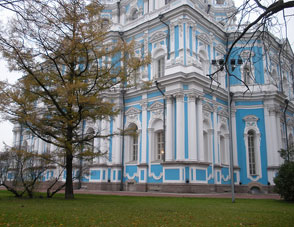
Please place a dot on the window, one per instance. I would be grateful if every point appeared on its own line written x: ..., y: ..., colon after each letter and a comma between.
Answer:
x: 135, y: 14
x: 160, y: 67
x: 134, y: 144
x: 222, y: 149
x: 251, y: 152
x: 220, y: 2
x: 247, y: 75
x: 205, y: 145
x: 159, y: 145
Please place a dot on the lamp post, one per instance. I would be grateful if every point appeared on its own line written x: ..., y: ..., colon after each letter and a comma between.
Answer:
x: 221, y: 64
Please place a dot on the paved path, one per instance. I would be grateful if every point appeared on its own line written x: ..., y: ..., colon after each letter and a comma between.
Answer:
x: 192, y: 195
x: 164, y: 194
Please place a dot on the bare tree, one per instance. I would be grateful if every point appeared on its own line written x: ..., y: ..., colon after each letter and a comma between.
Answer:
x: 257, y: 22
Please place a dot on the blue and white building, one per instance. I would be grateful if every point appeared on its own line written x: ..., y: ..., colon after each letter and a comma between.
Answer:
x: 183, y: 38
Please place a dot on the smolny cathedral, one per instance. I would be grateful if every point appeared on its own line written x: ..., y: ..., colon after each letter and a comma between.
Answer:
x: 181, y: 122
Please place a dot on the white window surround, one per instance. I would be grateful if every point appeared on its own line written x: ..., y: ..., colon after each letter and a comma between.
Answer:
x: 158, y: 62
x: 130, y: 146
x: 248, y: 73
x: 251, y: 125
x: 223, y: 137
x: 207, y: 137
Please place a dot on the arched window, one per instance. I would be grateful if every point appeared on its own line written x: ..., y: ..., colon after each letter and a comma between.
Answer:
x: 247, y: 75
x: 205, y: 145
x: 89, y: 144
x: 160, y: 66
x: 206, y: 140
x: 134, y: 15
x: 133, y: 142
x: 159, y: 145
x: 204, y: 61
x: 251, y: 152
x: 222, y: 149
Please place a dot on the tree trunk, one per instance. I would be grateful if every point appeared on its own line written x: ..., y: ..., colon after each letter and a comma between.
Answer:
x: 69, y: 183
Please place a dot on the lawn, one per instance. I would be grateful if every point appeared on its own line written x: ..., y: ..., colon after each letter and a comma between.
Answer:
x: 97, y: 210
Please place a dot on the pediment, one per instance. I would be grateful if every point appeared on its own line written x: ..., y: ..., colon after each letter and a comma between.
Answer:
x: 132, y: 111
x: 158, y: 36
x: 155, y: 106
x: 205, y: 38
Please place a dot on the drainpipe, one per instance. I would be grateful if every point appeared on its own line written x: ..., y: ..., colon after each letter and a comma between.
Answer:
x: 286, y: 130
x: 118, y: 12
x: 123, y: 92
x: 230, y: 97
x: 160, y: 16
x: 164, y: 125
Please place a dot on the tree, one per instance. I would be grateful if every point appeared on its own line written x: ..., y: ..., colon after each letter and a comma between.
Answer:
x: 20, y: 171
x: 257, y: 21
x: 69, y: 62
x: 285, y: 177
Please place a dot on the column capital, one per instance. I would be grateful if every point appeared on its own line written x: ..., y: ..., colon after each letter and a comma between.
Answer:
x: 180, y: 97
x: 191, y: 97
x: 169, y: 99
x: 144, y: 105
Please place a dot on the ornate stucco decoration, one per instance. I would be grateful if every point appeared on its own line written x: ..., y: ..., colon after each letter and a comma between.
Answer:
x: 156, y: 110
x: 223, y: 113
x: 246, y: 54
x: 208, y: 107
x: 205, y: 38
x: 132, y: 115
x: 251, y: 121
x: 220, y: 49
x: 158, y: 36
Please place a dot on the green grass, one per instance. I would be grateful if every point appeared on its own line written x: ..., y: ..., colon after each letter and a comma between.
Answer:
x: 97, y: 210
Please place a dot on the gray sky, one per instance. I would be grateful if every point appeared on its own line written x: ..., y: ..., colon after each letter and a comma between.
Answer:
x: 6, y: 127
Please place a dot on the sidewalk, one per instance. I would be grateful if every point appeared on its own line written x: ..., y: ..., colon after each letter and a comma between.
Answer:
x: 191, y: 195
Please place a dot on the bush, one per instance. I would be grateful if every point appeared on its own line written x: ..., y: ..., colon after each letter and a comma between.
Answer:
x: 285, y: 181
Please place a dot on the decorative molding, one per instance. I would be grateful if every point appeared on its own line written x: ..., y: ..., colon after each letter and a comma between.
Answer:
x: 158, y: 36
x: 250, y: 121
x: 155, y: 106
x: 208, y: 107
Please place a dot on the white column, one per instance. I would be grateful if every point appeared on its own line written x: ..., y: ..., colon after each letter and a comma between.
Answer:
x: 200, y: 130
x: 172, y: 41
x: 181, y: 40
x: 234, y: 136
x: 116, y: 147
x: 180, y: 128
x: 269, y: 136
x: 144, y: 132
x: 192, y: 128
x: 169, y: 142
x: 215, y: 142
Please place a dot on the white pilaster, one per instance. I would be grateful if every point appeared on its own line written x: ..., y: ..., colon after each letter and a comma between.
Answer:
x: 169, y: 130
x: 200, y: 130
x: 144, y: 132
x: 269, y: 135
x: 234, y: 137
x: 192, y: 128
x: 215, y: 142
x: 180, y: 128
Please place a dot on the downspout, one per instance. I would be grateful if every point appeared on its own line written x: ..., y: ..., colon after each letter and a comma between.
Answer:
x: 164, y: 125
x: 118, y: 12
x: 286, y: 130
x: 123, y: 92
x: 160, y: 16
x: 230, y: 96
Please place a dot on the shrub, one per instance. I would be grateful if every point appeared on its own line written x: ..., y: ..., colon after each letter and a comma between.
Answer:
x: 285, y: 181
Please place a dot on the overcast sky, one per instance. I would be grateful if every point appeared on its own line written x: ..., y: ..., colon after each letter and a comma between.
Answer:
x: 6, y: 127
